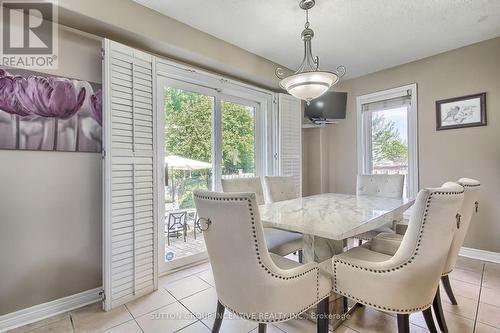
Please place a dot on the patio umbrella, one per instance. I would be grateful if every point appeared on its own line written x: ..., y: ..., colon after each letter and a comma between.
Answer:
x: 175, y: 162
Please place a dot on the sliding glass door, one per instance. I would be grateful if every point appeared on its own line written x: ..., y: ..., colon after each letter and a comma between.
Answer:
x: 238, y: 138
x: 207, y: 136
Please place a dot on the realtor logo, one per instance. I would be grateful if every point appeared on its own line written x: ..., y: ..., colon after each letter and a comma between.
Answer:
x: 29, y: 34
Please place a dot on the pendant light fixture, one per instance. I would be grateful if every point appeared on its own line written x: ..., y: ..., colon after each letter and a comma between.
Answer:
x: 308, y: 82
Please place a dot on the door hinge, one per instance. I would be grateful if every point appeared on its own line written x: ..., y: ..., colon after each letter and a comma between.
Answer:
x: 103, y: 295
x: 102, y: 53
x: 103, y: 153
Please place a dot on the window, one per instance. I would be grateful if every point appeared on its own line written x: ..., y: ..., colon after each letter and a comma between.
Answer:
x: 211, y: 129
x: 238, y: 139
x: 387, y: 135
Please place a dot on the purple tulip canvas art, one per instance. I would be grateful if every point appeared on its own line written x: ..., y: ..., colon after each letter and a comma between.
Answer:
x: 44, y: 112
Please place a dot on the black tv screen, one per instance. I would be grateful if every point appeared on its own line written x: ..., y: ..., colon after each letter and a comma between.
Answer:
x: 331, y: 105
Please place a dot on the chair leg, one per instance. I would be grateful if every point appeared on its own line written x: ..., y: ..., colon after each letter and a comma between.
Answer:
x: 219, y: 315
x: 323, y: 316
x: 438, y: 311
x: 447, y: 287
x: 345, y: 304
x: 429, y: 320
x: 262, y: 328
x: 403, y: 323
x: 360, y: 242
x: 301, y: 256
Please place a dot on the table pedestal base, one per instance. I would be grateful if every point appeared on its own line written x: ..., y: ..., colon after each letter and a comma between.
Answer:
x: 319, y: 249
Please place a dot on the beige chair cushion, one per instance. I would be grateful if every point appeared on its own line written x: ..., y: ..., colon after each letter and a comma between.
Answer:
x: 372, y: 233
x: 401, y: 227
x: 278, y: 241
x: 282, y: 242
x: 388, y: 243
x: 325, y: 278
x: 280, y: 188
x: 407, y: 281
x: 251, y: 282
x: 250, y: 184
x: 388, y: 186
x: 363, y: 253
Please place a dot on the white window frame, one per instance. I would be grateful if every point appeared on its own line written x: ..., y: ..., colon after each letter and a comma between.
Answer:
x: 363, y: 132
x: 238, y: 92
x: 180, y: 76
x: 259, y: 132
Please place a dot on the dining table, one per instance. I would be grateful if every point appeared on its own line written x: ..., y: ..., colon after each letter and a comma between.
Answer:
x: 327, y: 221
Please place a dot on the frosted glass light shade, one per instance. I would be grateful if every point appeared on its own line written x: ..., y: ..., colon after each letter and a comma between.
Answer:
x: 309, y: 85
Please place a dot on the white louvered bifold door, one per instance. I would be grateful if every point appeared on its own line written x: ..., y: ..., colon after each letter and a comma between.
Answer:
x: 130, y: 264
x: 290, y: 116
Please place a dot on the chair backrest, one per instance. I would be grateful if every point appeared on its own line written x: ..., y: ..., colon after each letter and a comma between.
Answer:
x: 250, y: 184
x: 280, y: 188
x: 246, y: 278
x: 388, y: 186
x: 425, y: 246
x: 471, y: 195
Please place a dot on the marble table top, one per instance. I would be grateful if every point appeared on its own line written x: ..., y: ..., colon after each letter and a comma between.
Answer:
x: 332, y: 215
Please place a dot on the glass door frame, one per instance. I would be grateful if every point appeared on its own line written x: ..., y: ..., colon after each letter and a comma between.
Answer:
x: 259, y: 151
x: 162, y: 83
x: 258, y: 137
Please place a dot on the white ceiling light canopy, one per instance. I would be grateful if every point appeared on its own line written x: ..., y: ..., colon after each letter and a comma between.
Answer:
x: 308, y: 82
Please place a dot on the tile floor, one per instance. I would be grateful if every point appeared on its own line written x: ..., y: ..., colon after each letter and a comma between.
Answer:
x: 186, y: 301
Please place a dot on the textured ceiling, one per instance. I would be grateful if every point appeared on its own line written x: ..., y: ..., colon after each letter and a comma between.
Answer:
x: 364, y: 35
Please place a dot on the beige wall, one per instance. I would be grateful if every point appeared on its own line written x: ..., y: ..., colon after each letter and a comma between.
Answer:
x: 50, y: 207
x: 50, y: 202
x: 135, y: 25
x: 315, y: 161
x: 443, y: 155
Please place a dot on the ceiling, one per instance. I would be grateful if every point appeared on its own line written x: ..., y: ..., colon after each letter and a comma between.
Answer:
x: 364, y: 35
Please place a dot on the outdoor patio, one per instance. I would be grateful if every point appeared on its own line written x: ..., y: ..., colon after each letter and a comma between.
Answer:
x: 180, y: 249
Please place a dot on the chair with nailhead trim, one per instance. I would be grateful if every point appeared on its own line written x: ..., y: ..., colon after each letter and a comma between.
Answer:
x: 407, y: 281
x: 387, y: 186
x: 280, y: 242
x: 388, y: 243
x: 280, y: 188
x: 250, y: 281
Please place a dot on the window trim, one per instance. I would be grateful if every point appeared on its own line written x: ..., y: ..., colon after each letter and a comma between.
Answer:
x: 221, y: 88
x: 266, y: 125
x: 413, y: 179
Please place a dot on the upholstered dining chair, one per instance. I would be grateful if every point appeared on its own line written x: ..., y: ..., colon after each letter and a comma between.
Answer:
x: 250, y: 281
x: 388, y: 243
x: 280, y: 242
x: 387, y: 186
x: 280, y: 188
x: 407, y: 281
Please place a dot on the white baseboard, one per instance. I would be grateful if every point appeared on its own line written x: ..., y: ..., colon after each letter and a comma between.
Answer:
x: 480, y: 254
x: 49, y: 309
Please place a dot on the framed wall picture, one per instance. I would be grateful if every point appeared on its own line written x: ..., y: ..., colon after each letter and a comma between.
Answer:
x: 458, y: 112
x: 39, y: 111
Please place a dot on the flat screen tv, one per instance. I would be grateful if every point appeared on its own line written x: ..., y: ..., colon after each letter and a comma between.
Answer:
x: 328, y: 107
